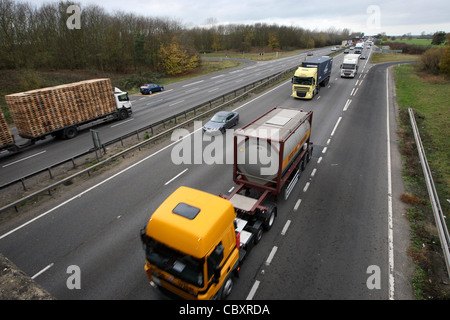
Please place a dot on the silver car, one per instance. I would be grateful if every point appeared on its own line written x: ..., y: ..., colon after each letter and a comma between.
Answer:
x: 221, y: 121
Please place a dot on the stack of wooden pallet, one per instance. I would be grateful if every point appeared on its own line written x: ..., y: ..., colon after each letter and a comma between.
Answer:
x: 5, y: 135
x: 38, y: 112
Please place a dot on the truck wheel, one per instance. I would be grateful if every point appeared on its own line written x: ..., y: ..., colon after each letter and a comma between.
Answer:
x: 123, y: 114
x: 258, y: 235
x: 70, y: 133
x: 227, y: 287
x: 269, y: 222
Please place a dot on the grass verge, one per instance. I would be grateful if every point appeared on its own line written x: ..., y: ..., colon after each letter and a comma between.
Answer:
x: 428, y: 96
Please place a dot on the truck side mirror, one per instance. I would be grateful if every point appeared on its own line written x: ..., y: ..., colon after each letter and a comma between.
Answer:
x: 341, y: 66
x: 292, y: 80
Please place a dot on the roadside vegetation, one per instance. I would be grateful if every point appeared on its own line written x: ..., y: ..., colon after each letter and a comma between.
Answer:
x: 425, y: 87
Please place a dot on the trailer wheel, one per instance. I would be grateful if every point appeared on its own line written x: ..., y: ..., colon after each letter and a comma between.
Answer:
x: 258, y: 235
x: 70, y: 133
x: 269, y: 222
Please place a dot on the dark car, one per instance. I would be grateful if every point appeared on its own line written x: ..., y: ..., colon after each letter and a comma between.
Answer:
x: 149, y: 88
x: 221, y: 121
x: 346, y: 51
x: 362, y: 56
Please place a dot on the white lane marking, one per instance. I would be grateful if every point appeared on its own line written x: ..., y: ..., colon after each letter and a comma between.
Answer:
x: 23, y: 159
x: 175, y: 177
x: 335, y: 127
x: 299, y: 201
x: 390, y: 221
x: 253, y: 290
x: 191, y: 84
x: 176, y: 103
x: 285, y: 228
x: 271, y: 255
x: 122, y: 122
x: 42, y: 271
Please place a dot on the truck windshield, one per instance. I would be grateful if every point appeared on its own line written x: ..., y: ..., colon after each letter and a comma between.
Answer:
x: 124, y: 97
x: 348, y: 66
x: 302, y: 80
x: 182, y: 266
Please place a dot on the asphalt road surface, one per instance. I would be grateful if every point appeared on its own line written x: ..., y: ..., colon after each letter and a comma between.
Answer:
x: 340, y: 234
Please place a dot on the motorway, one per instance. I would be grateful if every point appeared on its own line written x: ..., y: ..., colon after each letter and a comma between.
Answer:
x: 150, y: 109
x: 340, y: 226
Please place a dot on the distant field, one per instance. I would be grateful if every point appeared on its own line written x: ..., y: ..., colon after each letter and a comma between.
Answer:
x: 421, y: 42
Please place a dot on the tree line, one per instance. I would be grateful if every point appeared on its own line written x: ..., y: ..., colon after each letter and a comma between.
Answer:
x: 39, y: 38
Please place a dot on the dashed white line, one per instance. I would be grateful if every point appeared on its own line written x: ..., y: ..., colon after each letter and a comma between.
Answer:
x: 313, y: 173
x: 178, y: 102
x: 324, y: 150
x: 355, y: 91
x: 306, y: 187
x: 319, y: 160
x: 347, y: 104
x: 253, y: 290
x: 285, y: 228
x: 271, y: 255
x: 299, y: 201
x: 122, y: 122
x: 175, y: 177
x: 335, y: 127
x: 191, y: 84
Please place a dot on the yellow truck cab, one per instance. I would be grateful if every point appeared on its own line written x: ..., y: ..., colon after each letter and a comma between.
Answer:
x: 190, y: 245
x: 304, y: 83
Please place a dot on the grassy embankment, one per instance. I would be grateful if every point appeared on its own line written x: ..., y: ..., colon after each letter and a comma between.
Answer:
x: 13, y: 81
x: 429, y: 96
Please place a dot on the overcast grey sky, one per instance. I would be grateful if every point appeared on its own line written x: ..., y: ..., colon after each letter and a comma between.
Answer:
x: 370, y: 17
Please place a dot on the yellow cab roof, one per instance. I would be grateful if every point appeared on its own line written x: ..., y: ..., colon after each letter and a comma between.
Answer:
x: 194, y: 236
x: 305, y: 72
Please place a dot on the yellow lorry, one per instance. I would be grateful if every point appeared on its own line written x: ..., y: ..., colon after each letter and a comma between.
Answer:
x: 310, y: 76
x: 195, y: 242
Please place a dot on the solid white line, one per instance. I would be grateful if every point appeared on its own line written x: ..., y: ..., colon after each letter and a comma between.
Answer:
x: 253, y: 290
x: 42, y: 271
x: 271, y: 255
x: 297, y: 204
x: 335, y: 127
x: 176, y: 176
x: 122, y: 122
x: 34, y: 155
x: 390, y: 220
x: 306, y: 187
